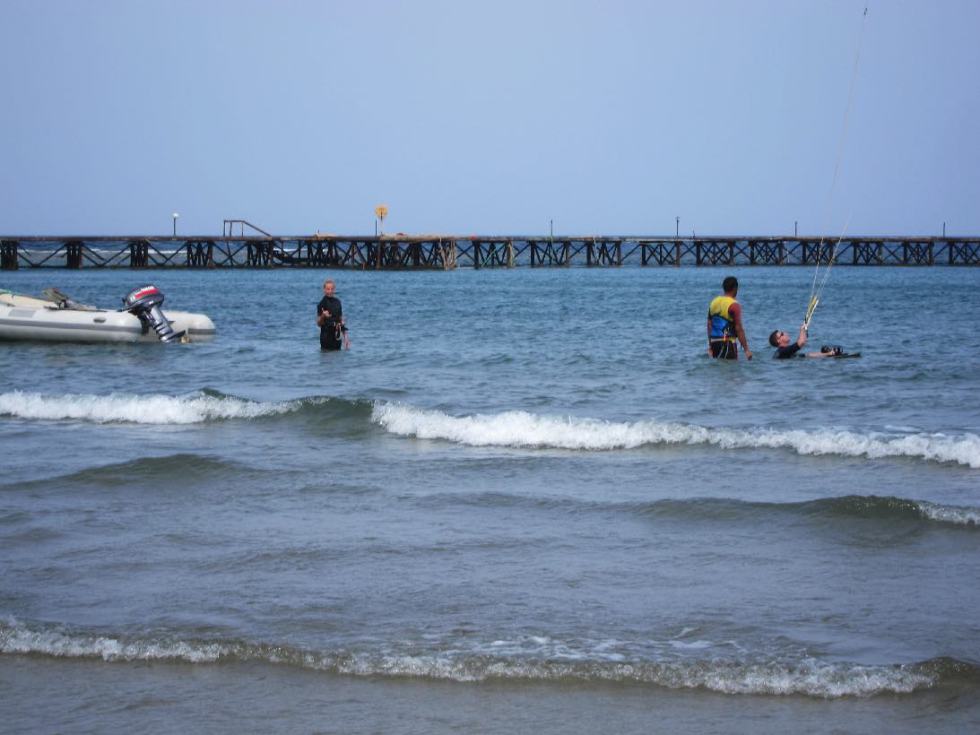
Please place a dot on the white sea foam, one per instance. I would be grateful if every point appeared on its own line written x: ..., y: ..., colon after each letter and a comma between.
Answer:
x: 950, y: 513
x: 16, y: 639
x: 807, y: 677
x: 523, y: 429
x: 138, y: 409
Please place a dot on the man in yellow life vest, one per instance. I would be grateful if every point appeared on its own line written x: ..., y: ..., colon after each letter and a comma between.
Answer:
x: 725, y: 324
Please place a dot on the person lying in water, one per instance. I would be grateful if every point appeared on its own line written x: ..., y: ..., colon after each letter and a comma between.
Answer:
x: 786, y: 349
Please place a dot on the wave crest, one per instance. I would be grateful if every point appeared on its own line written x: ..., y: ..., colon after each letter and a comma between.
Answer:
x: 519, y: 429
x: 805, y: 677
x: 197, y: 408
x: 885, y: 509
x: 137, y: 409
x: 526, y: 430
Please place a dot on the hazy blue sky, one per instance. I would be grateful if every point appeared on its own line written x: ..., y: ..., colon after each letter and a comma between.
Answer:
x: 609, y: 117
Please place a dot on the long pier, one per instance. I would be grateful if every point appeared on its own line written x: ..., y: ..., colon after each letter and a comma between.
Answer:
x: 447, y: 252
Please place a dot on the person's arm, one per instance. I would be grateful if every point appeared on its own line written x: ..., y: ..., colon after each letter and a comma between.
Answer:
x: 801, y: 340
x: 736, y: 311
x: 825, y: 352
x: 342, y: 326
x: 322, y: 315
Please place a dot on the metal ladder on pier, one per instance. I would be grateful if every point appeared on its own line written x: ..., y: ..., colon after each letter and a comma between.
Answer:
x: 259, y: 253
x: 228, y: 228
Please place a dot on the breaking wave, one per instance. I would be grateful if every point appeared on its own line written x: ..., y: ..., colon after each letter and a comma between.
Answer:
x: 805, y: 676
x: 885, y: 509
x: 136, y: 409
x: 206, y: 405
x: 523, y: 429
x: 958, y: 515
x: 518, y: 429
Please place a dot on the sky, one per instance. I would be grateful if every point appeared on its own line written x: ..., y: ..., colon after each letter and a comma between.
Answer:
x: 608, y: 117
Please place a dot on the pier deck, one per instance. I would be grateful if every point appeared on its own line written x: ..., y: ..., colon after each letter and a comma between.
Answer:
x: 447, y: 252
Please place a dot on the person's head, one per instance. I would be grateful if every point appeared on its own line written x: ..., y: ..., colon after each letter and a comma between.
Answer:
x: 329, y: 287
x: 730, y: 285
x: 779, y: 338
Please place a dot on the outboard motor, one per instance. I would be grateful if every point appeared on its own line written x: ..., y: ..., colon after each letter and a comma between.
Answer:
x: 145, y: 302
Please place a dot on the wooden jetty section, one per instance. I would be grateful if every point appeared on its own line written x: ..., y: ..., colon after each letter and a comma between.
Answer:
x: 447, y: 252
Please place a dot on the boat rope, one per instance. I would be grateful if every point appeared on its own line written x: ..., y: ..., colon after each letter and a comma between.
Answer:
x: 820, y: 280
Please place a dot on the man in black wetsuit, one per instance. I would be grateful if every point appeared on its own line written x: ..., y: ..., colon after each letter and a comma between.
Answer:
x: 786, y: 349
x: 330, y: 319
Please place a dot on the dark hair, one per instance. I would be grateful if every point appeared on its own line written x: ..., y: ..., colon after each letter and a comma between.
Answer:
x: 774, y: 338
x: 729, y: 284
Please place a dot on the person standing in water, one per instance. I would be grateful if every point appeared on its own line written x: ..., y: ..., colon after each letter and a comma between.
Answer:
x: 725, y: 324
x: 330, y: 319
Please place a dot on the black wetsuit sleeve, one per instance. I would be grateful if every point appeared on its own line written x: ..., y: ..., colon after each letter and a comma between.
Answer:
x: 784, y: 353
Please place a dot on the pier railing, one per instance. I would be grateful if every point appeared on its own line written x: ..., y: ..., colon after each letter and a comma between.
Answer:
x: 229, y: 225
x: 443, y: 252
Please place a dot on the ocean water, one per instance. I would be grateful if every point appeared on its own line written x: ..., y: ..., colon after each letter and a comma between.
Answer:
x: 524, y: 500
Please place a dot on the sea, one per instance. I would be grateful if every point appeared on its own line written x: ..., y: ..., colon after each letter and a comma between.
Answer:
x: 523, y: 501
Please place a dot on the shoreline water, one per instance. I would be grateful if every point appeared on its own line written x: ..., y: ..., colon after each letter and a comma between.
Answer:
x: 522, y: 500
x: 255, y: 697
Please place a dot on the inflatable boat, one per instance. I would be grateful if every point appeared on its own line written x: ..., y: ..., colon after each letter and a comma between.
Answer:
x: 58, y: 318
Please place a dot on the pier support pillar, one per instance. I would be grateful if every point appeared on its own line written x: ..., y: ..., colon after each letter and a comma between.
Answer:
x: 139, y: 253
x: 8, y: 255
x: 964, y: 253
x: 73, y: 254
x: 200, y: 254
x: 258, y: 254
